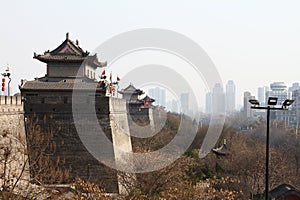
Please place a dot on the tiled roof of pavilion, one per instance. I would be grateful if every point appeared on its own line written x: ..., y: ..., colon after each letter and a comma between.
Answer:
x: 69, y: 52
x: 284, y: 190
x: 67, y: 84
x: 131, y: 90
x: 147, y: 99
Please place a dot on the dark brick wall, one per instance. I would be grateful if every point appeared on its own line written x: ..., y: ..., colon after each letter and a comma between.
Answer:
x: 53, y: 113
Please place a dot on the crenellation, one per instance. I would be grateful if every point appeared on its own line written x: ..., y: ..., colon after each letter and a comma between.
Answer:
x: 11, y: 100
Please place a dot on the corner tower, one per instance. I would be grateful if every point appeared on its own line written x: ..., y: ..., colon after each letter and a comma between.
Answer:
x: 48, y: 112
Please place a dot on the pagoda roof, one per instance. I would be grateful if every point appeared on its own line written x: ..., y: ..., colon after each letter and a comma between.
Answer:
x: 66, y: 85
x: 131, y: 90
x: 284, y: 190
x: 147, y: 99
x: 69, y: 52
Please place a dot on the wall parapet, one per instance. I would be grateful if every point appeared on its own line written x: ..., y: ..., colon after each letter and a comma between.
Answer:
x: 11, y: 100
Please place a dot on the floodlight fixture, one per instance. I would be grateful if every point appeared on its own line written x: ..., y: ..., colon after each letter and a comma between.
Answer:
x: 287, y: 102
x: 272, y: 101
x: 254, y: 102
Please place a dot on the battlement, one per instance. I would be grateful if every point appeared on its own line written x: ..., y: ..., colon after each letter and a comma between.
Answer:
x: 10, y: 100
x: 10, y: 104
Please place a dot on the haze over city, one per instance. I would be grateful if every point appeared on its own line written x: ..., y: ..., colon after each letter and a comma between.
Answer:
x: 252, y: 43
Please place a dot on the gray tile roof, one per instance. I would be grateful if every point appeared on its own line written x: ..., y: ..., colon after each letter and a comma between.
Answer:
x: 69, y: 51
x: 61, y: 85
x: 284, y: 190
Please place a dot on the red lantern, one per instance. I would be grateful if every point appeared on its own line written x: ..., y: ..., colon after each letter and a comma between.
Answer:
x: 3, y: 84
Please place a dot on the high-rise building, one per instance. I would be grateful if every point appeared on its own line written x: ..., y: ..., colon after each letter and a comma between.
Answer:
x: 218, y: 99
x: 230, y: 96
x: 159, y: 95
x: 294, y: 87
x: 279, y: 90
x: 208, y: 103
x: 296, y: 107
x: 184, y: 101
x: 175, y: 106
x: 247, y: 112
x: 261, y: 95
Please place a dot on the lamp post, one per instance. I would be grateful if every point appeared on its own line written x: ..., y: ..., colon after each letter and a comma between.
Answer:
x: 7, y: 74
x: 272, y: 102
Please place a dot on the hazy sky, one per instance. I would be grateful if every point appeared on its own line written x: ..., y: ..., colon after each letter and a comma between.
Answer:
x: 251, y: 42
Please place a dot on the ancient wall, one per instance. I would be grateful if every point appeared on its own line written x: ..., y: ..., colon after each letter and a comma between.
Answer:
x: 11, y: 115
x: 47, y: 113
x: 53, y: 115
x: 12, y: 137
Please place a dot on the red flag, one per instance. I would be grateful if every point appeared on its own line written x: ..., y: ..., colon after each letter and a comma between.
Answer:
x: 103, y: 73
x: 110, y: 88
x: 118, y: 79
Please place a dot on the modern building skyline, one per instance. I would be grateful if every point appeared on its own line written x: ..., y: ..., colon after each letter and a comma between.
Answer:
x: 295, y: 86
x: 230, y: 97
x: 279, y: 90
x: 261, y: 94
x: 208, y: 103
x: 159, y: 94
x: 218, y: 99
x: 184, y: 101
x: 247, y: 111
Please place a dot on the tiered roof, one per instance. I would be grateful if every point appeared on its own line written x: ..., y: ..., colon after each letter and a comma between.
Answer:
x: 65, y: 85
x: 69, y: 52
x: 147, y: 99
x: 131, y: 90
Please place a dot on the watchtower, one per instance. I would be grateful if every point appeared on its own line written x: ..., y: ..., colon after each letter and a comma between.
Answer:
x: 48, y: 108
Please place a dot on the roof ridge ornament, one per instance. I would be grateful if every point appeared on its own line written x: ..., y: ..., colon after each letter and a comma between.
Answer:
x: 67, y: 35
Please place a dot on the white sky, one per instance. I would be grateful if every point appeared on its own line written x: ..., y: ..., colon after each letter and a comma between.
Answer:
x: 253, y: 42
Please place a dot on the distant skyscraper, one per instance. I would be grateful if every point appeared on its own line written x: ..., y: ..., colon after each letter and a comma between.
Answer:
x: 175, y: 106
x: 261, y: 95
x: 293, y: 88
x: 296, y: 107
x: 184, y: 100
x: 208, y: 103
x: 279, y: 90
x: 159, y: 95
x: 247, y: 106
x: 218, y: 99
x: 230, y: 96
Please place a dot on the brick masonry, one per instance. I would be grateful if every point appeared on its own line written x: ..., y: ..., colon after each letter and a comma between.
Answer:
x: 54, y: 113
x: 11, y: 115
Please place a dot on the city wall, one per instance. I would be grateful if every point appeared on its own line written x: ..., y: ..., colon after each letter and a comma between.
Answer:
x: 11, y: 115
x: 12, y: 137
x: 54, y: 114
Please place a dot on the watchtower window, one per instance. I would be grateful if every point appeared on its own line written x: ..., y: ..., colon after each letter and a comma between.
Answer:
x: 65, y: 100
x: 88, y: 72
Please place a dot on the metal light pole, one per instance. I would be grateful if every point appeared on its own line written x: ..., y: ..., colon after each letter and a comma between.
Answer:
x: 267, y: 153
x: 7, y: 74
x: 272, y: 101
